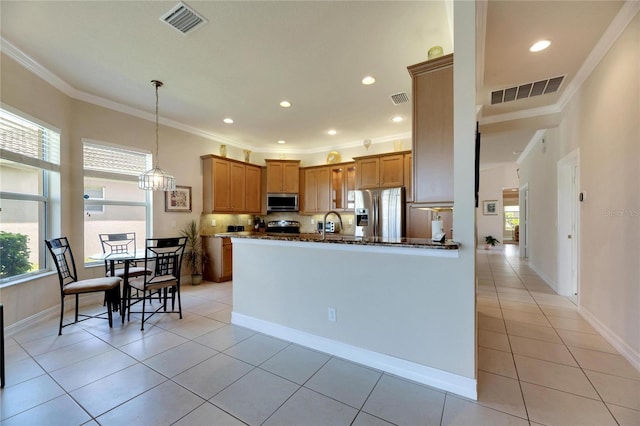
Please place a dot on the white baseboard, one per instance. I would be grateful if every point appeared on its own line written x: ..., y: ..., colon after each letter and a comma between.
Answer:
x: 551, y: 283
x: 52, y: 312
x: 440, y: 379
x: 621, y: 346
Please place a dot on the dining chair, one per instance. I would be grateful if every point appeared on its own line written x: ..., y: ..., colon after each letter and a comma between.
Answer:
x: 163, y: 257
x: 120, y: 243
x: 70, y: 284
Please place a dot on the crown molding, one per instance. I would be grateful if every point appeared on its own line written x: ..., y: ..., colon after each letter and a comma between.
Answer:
x: 626, y: 13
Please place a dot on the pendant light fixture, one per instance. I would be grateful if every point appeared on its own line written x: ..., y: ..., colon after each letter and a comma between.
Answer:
x: 156, y: 179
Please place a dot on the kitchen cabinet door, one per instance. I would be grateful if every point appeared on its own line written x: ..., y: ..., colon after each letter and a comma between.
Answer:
x: 237, y: 187
x: 215, y: 185
x: 432, y: 83
x: 283, y: 176
x: 367, y: 173
x: 253, y: 186
x: 317, y: 190
x: 350, y: 187
x: 219, y: 264
x: 391, y: 171
x: 408, y: 177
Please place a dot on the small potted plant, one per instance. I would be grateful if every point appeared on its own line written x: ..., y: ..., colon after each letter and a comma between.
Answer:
x: 194, y: 255
x: 490, y: 241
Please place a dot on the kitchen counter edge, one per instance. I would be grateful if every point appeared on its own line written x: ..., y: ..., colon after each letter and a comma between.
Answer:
x: 418, y: 243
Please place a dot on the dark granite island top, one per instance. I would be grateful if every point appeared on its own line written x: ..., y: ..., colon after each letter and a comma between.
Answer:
x: 343, y: 239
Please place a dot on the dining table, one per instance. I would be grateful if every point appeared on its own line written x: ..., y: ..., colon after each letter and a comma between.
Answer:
x: 126, y: 258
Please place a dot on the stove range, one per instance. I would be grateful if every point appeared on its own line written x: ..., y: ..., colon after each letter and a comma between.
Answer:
x: 283, y: 226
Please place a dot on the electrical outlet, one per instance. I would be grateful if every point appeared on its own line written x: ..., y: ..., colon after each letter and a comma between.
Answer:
x: 350, y: 221
x: 249, y: 222
x: 332, y: 315
x: 313, y: 221
x: 213, y: 222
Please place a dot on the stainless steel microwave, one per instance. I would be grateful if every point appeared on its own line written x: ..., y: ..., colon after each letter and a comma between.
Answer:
x: 282, y: 202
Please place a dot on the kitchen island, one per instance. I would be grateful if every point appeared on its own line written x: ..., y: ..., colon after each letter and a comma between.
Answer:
x: 391, y: 305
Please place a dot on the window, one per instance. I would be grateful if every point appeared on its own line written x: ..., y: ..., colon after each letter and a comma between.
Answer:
x: 29, y: 181
x: 112, y: 201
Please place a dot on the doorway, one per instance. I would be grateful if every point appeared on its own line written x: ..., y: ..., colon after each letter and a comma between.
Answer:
x: 510, y: 216
x: 523, y: 196
x: 568, y: 224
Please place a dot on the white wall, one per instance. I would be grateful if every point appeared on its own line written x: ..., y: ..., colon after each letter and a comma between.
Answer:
x: 539, y: 171
x: 492, y: 182
x: 602, y: 119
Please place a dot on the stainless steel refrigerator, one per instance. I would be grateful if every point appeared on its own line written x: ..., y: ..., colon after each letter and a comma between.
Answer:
x: 380, y: 213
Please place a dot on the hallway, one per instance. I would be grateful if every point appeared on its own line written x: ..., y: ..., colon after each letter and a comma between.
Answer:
x: 537, y: 357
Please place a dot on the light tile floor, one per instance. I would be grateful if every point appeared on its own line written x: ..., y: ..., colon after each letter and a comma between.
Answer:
x: 539, y: 362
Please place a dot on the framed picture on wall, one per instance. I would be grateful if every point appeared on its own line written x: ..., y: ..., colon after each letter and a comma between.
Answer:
x: 178, y: 200
x: 490, y: 207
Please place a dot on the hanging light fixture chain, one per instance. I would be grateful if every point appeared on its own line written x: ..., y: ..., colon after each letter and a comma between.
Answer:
x: 158, y: 84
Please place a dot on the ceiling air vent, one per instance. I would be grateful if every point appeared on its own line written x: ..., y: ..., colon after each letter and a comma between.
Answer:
x: 399, y: 98
x: 526, y: 90
x: 183, y: 18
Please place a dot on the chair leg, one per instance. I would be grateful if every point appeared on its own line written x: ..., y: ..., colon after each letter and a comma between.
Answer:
x: 144, y: 299
x: 77, y: 303
x: 109, y: 296
x: 179, y: 302
x: 61, y: 315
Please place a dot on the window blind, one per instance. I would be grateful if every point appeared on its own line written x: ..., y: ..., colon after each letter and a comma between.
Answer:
x: 110, y: 159
x: 29, y: 143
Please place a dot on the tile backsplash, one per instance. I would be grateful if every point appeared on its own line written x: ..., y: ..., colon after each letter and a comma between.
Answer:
x: 308, y: 223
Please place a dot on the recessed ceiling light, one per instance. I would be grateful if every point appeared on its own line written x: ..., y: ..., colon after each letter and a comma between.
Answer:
x: 332, y: 132
x: 228, y: 120
x: 285, y: 104
x: 397, y: 119
x: 540, y: 45
x: 368, y: 80
x: 281, y: 142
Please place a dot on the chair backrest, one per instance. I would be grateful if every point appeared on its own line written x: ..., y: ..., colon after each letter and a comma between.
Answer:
x: 63, y: 258
x: 164, y: 257
x: 117, y: 243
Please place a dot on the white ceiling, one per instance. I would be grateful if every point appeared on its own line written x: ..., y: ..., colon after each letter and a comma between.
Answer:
x: 251, y: 55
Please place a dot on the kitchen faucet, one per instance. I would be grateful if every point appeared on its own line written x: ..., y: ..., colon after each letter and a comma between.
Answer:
x: 324, y: 223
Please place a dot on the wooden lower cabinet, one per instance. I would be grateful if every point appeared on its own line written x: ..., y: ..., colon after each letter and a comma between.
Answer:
x: 219, y: 264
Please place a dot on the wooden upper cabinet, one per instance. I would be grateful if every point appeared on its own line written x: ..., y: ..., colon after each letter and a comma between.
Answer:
x: 317, y: 190
x: 230, y: 186
x: 237, y: 186
x: 350, y: 187
x: 253, y: 189
x: 326, y: 188
x: 408, y: 177
x: 367, y: 173
x: 391, y: 171
x: 283, y: 176
x: 432, y: 84
x: 380, y: 171
x: 216, y: 194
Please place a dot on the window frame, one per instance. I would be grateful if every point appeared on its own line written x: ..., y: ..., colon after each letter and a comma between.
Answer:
x: 48, y: 163
x: 114, y: 176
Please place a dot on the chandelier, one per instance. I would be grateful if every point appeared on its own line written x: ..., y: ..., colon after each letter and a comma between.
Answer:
x: 156, y: 179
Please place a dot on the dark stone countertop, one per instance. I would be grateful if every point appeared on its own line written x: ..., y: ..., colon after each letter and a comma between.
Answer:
x: 419, y: 243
